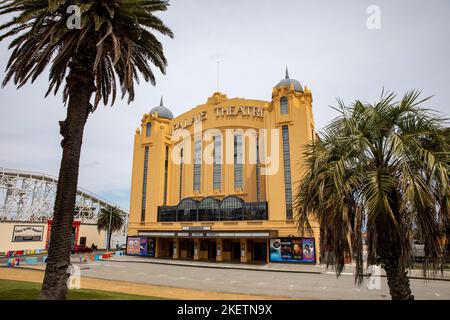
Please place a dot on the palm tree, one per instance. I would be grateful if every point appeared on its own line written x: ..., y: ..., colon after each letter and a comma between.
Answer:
x: 111, y: 220
x: 114, y: 44
x: 373, y: 169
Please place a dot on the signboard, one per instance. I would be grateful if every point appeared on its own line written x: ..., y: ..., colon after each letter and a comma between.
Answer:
x: 292, y: 250
x: 28, y: 233
x: 196, y: 228
x: 133, y: 245
x: 141, y: 246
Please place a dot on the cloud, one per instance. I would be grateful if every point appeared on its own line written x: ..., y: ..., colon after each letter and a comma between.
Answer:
x: 327, y: 47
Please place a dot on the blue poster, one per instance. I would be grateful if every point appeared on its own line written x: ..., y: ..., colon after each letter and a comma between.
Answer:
x: 143, y: 246
x: 292, y: 250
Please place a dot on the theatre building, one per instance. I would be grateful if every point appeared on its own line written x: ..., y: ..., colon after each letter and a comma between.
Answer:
x: 218, y: 182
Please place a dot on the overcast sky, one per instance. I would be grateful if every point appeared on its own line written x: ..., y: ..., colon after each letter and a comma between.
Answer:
x: 326, y: 45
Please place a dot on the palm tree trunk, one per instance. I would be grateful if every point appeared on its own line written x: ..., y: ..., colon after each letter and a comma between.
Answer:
x: 80, y: 85
x: 398, y: 281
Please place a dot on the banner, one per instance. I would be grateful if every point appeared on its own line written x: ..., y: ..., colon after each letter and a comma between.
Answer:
x: 292, y: 250
x: 133, y: 245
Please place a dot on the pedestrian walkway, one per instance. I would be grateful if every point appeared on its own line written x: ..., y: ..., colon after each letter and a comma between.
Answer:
x: 270, y: 267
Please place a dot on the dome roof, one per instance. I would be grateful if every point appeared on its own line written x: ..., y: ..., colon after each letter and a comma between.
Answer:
x: 286, y: 82
x: 162, y: 111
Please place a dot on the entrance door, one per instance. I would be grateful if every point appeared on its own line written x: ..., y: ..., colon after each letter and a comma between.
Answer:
x: 190, y: 249
x: 260, y: 251
x: 212, y: 252
x: 236, y: 250
x: 170, y: 249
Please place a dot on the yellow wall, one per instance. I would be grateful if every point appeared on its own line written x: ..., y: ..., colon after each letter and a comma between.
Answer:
x: 301, y: 131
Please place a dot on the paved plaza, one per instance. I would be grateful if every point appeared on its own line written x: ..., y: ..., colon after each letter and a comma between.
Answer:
x: 296, y: 285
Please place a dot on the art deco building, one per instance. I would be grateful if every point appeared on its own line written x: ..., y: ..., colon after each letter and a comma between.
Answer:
x: 202, y: 191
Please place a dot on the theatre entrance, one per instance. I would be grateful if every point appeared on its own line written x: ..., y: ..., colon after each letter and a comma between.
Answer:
x: 187, y: 249
x: 259, y: 248
x: 236, y: 250
x: 212, y: 252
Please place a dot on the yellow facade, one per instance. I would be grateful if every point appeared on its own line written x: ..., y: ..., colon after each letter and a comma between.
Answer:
x: 168, y: 184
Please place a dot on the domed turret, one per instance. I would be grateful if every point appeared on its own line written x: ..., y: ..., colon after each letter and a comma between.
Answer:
x: 162, y: 111
x: 286, y: 82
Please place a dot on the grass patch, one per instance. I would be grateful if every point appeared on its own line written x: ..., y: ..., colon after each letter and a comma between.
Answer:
x: 22, y: 290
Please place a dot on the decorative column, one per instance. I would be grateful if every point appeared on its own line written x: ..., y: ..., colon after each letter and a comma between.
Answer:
x: 196, y: 249
x: 219, y: 252
x: 176, y: 249
x: 243, y: 252
x: 157, y: 248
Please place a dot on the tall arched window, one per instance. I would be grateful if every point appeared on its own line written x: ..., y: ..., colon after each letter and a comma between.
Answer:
x: 197, y: 164
x: 231, y: 208
x: 217, y: 165
x: 181, y: 175
x: 284, y: 105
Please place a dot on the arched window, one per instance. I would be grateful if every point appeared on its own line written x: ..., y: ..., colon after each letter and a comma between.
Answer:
x: 187, y: 210
x: 231, y: 208
x: 284, y: 105
x: 209, y: 209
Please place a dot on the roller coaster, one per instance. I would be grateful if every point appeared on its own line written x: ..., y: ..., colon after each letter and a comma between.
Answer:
x: 30, y: 196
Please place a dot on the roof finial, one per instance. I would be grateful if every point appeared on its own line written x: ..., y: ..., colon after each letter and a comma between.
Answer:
x: 287, y: 73
x: 161, y: 102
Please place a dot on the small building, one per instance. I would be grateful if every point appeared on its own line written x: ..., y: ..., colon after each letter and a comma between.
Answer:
x: 28, y: 236
x: 218, y: 181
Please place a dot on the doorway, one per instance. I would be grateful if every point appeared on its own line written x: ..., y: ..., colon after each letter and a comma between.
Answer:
x: 236, y: 250
x: 260, y: 251
x: 212, y: 252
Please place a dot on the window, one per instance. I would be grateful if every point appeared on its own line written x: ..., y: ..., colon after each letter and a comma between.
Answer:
x: 197, y: 164
x: 258, y: 172
x: 287, y: 171
x: 148, y: 130
x: 166, y: 169
x: 231, y: 208
x: 217, y: 165
x: 144, y: 185
x: 187, y: 210
x: 284, y: 105
x: 208, y: 210
x: 238, y: 181
x: 181, y: 175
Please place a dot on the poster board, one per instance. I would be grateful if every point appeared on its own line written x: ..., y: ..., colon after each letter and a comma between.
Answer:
x: 292, y: 250
x: 27, y: 233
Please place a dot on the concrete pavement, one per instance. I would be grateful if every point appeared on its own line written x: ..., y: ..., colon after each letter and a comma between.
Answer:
x: 258, y: 282
x: 273, y: 267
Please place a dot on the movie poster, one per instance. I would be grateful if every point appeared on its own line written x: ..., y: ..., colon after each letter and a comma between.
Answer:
x: 143, y: 246
x: 275, y: 253
x: 133, y: 245
x: 286, y: 249
x: 292, y: 250
x: 308, y: 250
x: 297, y: 250
x: 151, y: 247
